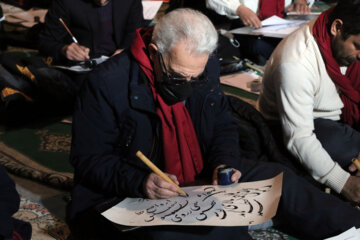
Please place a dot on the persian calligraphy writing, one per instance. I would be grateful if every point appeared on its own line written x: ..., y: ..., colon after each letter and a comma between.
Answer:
x: 235, y: 205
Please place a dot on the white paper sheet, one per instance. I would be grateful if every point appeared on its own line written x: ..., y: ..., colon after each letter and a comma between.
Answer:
x: 274, y: 20
x: 351, y: 234
x: 272, y: 27
x: 233, y: 205
x: 150, y: 8
x: 81, y: 68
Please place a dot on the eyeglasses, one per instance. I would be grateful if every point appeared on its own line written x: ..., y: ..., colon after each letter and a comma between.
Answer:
x: 179, y: 79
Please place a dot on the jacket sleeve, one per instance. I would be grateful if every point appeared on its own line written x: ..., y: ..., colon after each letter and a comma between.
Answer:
x: 224, y: 144
x: 225, y: 148
x: 224, y: 7
x: 95, y: 153
x: 9, y: 203
x: 53, y: 37
x: 296, y: 115
x: 134, y: 21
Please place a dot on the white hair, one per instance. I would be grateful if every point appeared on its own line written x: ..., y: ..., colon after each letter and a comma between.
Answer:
x: 190, y: 26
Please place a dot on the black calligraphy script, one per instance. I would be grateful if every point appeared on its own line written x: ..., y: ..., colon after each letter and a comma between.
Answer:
x: 208, y: 202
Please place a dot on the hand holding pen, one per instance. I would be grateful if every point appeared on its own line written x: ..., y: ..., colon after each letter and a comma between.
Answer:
x: 355, y: 166
x: 74, y: 51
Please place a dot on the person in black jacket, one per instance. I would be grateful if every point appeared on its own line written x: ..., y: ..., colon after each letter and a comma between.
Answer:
x: 101, y: 27
x: 11, y: 228
x: 163, y: 97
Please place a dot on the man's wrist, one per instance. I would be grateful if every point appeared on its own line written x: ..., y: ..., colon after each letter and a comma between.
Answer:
x: 301, y: 2
x: 337, y: 178
x: 63, y: 50
x: 239, y: 9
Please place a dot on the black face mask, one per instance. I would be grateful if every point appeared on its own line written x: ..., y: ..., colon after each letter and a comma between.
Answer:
x: 174, y: 89
x: 173, y: 93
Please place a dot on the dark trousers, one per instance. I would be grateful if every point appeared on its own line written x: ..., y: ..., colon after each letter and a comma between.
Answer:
x: 257, y: 49
x: 341, y: 141
x: 304, y: 211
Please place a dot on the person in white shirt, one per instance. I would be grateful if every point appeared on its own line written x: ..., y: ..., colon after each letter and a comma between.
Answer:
x: 250, y: 13
x: 311, y: 92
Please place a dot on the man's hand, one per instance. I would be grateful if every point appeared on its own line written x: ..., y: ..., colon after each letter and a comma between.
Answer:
x: 351, y: 189
x: 353, y: 168
x: 155, y: 187
x: 76, y: 52
x: 248, y: 17
x: 234, y: 178
x: 300, y: 6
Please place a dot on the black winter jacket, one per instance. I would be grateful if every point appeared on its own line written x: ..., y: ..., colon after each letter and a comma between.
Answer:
x: 82, y: 18
x: 116, y: 117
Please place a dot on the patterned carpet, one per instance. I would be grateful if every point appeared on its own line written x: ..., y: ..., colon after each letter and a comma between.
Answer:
x: 23, y: 166
x: 39, y: 154
x: 44, y: 225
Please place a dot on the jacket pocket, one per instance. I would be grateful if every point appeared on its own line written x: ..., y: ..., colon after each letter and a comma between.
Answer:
x: 127, y: 135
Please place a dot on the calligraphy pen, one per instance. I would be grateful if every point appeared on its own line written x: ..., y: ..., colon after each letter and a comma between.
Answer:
x: 357, y: 162
x: 68, y: 30
x: 87, y: 63
x: 160, y: 173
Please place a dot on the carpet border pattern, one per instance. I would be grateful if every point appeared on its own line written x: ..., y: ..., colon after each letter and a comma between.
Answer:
x: 23, y: 166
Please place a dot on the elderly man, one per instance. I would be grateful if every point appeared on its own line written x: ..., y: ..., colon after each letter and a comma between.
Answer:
x: 101, y: 27
x: 311, y: 95
x: 164, y: 98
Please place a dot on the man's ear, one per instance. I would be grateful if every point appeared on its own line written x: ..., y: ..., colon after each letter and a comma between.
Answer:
x: 336, y: 27
x: 152, y: 51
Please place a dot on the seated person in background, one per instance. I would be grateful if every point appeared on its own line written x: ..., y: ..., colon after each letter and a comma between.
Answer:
x: 251, y: 13
x: 311, y: 96
x: 164, y: 98
x: 101, y: 27
x: 11, y: 228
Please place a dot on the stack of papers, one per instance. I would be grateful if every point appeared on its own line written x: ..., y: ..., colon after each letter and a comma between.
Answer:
x: 279, y: 26
x: 272, y: 27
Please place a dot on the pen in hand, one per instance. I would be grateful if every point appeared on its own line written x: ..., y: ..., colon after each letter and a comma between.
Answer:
x: 357, y: 162
x: 68, y: 30
x: 74, y: 51
x: 156, y: 170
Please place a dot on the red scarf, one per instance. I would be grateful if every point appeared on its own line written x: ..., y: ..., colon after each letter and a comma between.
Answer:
x: 269, y: 8
x: 181, y: 148
x: 348, y: 83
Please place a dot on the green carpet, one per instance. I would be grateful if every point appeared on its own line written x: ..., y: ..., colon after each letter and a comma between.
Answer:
x: 40, y: 154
